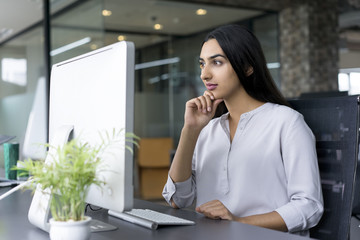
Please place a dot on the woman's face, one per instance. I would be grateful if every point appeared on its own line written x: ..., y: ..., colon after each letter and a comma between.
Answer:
x: 217, y: 73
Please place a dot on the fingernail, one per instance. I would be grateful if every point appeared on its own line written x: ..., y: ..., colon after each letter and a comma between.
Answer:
x: 209, y: 109
x: 212, y: 97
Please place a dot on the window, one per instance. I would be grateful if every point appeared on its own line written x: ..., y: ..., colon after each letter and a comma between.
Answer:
x: 14, y: 71
x: 349, y: 80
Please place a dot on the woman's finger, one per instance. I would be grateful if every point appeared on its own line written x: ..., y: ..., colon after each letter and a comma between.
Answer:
x: 196, y: 102
x: 210, y: 94
x: 209, y: 103
x: 204, y: 105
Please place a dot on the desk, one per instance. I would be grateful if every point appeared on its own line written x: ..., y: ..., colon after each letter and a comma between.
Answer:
x: 15, y: 225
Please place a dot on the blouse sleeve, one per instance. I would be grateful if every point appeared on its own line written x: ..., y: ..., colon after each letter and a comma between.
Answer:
x: 305, y: 207
x: 182, y: 193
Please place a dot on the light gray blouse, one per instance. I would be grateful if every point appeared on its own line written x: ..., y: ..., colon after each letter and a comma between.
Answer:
x: 271, y: 165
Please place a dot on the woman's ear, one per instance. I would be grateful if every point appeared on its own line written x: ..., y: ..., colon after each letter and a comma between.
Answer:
x: 249, y: 71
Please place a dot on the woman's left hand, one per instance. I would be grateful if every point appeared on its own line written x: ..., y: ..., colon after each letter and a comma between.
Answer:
x: 216, y: 210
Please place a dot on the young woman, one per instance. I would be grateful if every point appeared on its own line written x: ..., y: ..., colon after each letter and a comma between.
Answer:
x: 256, y: 163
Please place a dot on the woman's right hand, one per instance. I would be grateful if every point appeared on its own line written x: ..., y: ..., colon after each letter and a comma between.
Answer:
x: 199, y: 111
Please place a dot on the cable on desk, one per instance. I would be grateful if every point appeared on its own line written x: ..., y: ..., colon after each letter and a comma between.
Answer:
x: 20, y: 186
x: 92, y: 208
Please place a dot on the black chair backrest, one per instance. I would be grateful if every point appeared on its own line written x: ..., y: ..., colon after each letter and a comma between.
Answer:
x: 335, y: 124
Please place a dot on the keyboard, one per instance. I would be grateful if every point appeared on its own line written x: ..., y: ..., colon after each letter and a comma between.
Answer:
x: 150, y: 218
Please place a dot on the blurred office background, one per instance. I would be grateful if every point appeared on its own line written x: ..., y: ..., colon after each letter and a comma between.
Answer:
x: 312, y: 48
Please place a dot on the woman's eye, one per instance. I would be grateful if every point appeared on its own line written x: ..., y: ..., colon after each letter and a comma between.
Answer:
x: 217, y: 62
x: 201, y: 64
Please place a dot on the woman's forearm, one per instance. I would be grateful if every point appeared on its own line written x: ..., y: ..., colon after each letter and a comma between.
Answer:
x: 180, y: 169
x: 271, y: 220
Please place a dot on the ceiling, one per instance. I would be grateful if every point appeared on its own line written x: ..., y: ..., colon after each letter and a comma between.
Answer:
x: 178, y: 18
x: 131, y: 17
x: 134, y: 19
x: 17, y: 15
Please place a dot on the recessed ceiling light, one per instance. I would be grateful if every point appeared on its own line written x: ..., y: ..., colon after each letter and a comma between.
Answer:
x: 158, y: 26
x: 201, y: 12
x: 106, y: 13
x: 121, y: 38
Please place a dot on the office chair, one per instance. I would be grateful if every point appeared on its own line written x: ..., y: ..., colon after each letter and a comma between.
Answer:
x: 335, y: 124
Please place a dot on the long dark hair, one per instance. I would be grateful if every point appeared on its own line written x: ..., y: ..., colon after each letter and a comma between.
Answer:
x: 244, y: 51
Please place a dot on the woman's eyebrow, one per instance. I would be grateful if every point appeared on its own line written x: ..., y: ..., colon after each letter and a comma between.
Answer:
x: 213, y: 56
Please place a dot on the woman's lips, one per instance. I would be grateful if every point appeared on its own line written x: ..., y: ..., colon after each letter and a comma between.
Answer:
x: 210, y: 86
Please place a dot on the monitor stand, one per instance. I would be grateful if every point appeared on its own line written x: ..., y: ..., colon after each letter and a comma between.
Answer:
x: 99, y: 226
x: 40, y: 205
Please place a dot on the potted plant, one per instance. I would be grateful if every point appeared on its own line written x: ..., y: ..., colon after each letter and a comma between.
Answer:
x: 67, y: 179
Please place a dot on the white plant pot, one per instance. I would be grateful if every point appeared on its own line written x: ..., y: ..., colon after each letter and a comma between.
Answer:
x: 70, y: 230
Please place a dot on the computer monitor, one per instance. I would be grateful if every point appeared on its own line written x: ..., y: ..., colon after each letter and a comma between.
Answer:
x: 91, y: 94
x: 36, y: 130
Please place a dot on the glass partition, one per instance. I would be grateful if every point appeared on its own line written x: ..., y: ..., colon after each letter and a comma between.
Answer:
x: 76, y: 31
x: 266, y: 30
x: 167, y: 36
x: 21, y: 67
x: 22, y: 64
x: 161, y: 91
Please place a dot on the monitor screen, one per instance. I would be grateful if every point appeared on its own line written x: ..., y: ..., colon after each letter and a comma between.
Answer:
x: 94, y: 93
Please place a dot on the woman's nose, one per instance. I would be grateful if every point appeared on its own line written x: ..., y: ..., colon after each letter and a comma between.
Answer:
x: 205, y: 73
